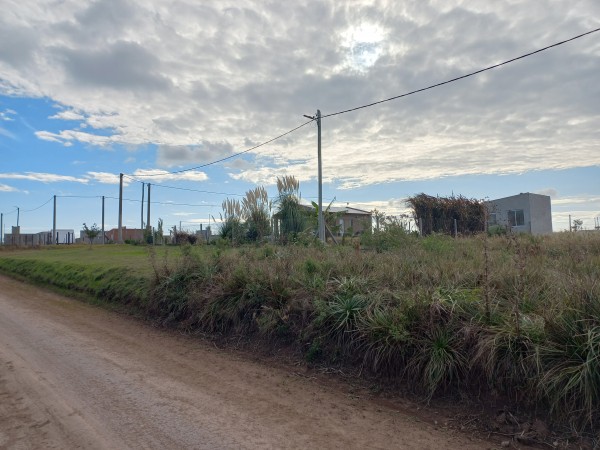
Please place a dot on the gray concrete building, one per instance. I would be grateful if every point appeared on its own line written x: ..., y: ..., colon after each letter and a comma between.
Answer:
x: 523, y: 213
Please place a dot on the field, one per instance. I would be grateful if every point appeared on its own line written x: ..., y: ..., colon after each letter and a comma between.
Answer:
x: 515, y: 316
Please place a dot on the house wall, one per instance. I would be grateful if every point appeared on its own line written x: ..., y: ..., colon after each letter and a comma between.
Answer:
x: 358, y: 223
x: 34, y: 239
x: 134, y: 234
x: 541, y: 214
x: 536, y: 209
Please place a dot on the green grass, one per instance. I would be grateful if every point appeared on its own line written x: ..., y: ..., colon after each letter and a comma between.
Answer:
x: 129, y: 257
x: 110, y: 273
x: 436, y: 313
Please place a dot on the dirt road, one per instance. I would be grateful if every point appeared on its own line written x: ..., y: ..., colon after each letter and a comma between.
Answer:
x: 76, y: 376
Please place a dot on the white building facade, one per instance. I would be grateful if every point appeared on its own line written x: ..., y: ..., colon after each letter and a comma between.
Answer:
x: 523, y: 213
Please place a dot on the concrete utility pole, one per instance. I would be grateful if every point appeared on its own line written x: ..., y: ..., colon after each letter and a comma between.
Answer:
x: 148, y: 209
x: 321, y: 217
x: 321, y: 221
x: 142, y: 215
x: 54, y: 238
x: 1, y: 228
x: 120, y: 208
x: 570, y: 228
x: 103, y: 235
x: 18, y: 210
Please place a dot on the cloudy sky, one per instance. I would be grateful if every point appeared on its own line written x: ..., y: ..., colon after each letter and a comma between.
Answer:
x: 92, y: 89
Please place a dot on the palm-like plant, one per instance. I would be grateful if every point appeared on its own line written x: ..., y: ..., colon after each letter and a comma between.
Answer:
x: 256, y: 209
x: 292, y: 218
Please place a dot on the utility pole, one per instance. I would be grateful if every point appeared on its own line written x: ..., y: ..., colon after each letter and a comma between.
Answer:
x: 54, y: 238
x: 1, y: 228
x: 103, y: 235
x: 148, y: 209
x: 18, y: 210
x: 120, y: 208
x: 321, y: 220
x: 142, y: 215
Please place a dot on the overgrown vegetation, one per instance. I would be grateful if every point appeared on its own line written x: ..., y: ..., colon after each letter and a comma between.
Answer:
x: 443, y: 214
x: 513, y: 315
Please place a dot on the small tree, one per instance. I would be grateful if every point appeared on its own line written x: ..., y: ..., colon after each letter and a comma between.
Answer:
x: 92, y: 232
x: 577, y: 225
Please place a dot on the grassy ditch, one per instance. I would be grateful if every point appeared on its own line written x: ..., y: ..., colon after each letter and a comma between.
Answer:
x: 516, y: 315
x: 114, y: 274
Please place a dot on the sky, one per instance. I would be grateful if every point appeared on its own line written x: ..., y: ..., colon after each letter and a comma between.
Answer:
x: 89, y: 90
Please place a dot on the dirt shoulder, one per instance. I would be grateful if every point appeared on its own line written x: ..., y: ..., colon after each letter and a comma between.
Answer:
x: 76, y: 376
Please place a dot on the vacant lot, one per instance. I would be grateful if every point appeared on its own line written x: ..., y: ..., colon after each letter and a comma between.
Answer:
x: 514, y: 316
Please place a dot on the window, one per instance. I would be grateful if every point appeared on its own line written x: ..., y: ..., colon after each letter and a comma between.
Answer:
x: 516, y: 218
x: 492, y: 219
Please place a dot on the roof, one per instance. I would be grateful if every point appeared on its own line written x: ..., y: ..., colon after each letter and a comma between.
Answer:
x: 341, y: 209
x: 520, y: 195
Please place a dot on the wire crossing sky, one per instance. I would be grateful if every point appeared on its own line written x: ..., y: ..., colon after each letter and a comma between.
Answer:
x: 495, y: 66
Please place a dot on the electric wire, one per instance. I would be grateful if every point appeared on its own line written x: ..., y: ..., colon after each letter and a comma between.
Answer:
x: 297, y: 128
x: 462, y: 76
x: 185, y: 189
x: 42, y: 205
x: 207, y: 205
x: 78, y: 196
x: 227, y: 157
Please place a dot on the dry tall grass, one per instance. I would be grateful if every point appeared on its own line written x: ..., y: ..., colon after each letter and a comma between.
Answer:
x: 517, y: 314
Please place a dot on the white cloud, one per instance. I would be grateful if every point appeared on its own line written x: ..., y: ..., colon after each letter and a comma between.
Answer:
x: 106, y: 178
x: 592, y: 200
x: 6, y: 115
x: 551, y: 192
x: 68, y: 115
x: 205, y: 80
x: 6, y: 133
x: 158, y: 175
x: 7, y: 188
x: 43, y: 177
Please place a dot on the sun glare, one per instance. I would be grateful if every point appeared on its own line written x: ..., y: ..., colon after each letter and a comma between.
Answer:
x: 363, y: 44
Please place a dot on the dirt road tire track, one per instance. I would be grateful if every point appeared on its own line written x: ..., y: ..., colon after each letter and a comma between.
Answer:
x: 77, y: 376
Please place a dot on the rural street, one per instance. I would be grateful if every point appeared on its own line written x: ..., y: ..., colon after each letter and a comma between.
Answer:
x: 77, y: 376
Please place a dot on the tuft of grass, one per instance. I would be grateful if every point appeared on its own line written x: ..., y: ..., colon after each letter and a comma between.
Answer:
x: 386, y: 339
x: 513, y: 315
x: 571, y: 378
x: 439, y: 361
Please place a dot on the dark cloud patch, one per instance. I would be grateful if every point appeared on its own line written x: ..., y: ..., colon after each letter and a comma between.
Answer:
x: 102, y: 21
x: 122, y: 65
x: 173, y: 155
x: 17, y: 44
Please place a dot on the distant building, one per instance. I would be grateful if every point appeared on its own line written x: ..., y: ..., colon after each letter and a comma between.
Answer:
x: 351, y: 221
x: 523, y: 213
x: 348, y: 221
x: 129, y: 234
x: 35, y: 239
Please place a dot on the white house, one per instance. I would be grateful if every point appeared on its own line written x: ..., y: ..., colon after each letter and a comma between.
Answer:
x: 523, y: 213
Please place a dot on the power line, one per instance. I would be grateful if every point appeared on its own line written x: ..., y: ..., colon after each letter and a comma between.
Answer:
x: 78, y: 196
x: 228, y: 157
x: 462, y: 76
x: 186, y: 189
x: 164, y: 203
x: 35, y: 209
